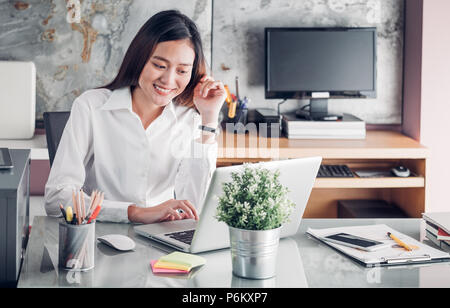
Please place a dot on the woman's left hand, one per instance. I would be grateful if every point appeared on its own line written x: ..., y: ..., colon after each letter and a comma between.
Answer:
x: 209, y: 96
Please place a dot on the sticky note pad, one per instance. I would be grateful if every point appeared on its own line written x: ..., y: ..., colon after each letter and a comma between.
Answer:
x: 180, y: 260
x: 165, y: 270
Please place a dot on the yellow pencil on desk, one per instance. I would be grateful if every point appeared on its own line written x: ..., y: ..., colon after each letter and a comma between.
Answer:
x: 399, y: 242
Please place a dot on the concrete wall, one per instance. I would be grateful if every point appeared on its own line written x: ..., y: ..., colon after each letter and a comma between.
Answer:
x: 71, y: 57
x: 238, y: 46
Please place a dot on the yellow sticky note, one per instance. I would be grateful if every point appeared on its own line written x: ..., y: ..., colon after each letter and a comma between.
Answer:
x: 183, y: 259
x: 168, y: 265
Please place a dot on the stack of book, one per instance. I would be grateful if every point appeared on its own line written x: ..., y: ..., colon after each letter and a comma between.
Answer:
x: 438, y: 229
x: 176, y: 263
x: 350, y: 127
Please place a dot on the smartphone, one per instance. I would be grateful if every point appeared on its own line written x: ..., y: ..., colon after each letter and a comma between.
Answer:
x: 355, y: 241
x: 5, y: 159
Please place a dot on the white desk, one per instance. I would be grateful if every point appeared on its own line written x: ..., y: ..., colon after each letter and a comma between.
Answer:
x: 38, y: 146
x: 302, y: 262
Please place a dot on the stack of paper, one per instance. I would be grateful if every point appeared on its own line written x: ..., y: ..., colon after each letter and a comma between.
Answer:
x: 176, y: 263
x: 438, y: 229
x: 350, y: 127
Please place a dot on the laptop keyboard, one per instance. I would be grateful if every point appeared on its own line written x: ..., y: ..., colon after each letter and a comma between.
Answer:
x: 183, y: 236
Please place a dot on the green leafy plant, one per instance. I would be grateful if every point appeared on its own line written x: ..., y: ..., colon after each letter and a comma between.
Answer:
x: 254, y: 200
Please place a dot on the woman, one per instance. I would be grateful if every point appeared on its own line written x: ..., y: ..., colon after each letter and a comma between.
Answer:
x: 146, y: 136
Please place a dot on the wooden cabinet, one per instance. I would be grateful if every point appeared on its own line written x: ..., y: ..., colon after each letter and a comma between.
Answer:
x: 380, y: 150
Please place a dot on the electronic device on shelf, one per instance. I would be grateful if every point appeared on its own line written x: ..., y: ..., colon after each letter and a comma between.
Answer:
x: 335, y: 171
x: 320, y: 64
x: 401, y: 171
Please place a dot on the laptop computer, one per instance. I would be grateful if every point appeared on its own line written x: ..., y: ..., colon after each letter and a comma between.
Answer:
x: 206, y: 234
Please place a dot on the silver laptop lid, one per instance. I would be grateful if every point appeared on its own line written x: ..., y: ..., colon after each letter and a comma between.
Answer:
x: 298, y: 175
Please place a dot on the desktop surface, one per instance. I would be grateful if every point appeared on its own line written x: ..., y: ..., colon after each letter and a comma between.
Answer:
x: 302, y: 262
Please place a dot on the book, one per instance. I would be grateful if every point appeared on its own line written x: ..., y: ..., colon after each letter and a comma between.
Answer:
x: 439, y: 220
x: 442, y: 235
x: 350, y: 127
x: 444, y: 245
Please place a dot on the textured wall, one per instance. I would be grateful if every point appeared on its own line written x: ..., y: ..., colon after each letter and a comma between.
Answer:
x: 73, y: 52
x: 73, y: 56
x: 238, y: 46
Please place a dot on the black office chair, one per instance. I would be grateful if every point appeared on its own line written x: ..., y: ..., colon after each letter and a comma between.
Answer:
x: 54, y: 123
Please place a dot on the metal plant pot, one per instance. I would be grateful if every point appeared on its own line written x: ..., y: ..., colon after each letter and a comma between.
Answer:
x: 254, y: 252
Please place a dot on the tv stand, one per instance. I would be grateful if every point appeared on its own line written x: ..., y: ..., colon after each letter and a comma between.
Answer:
x: 318, y: 111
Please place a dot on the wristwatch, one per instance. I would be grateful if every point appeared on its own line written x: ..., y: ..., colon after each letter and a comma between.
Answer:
x: 208, y: 129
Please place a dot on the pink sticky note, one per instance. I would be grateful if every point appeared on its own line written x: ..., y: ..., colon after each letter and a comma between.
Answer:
x: 165, y: 270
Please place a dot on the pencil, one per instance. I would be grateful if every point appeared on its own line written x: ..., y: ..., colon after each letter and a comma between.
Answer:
x: 78, y: 208
x: 83, y: 205
x: 398, y: 241
x: 93, y: 200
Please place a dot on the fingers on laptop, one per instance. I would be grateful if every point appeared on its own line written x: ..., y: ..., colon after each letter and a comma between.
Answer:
x: 187, y: 210
x: 192, y: 209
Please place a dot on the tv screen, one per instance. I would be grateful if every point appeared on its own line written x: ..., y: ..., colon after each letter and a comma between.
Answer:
x: 301, y: 61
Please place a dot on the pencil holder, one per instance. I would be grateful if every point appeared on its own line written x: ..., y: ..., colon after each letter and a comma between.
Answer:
x: 237, y: 124
x: 76, y: 246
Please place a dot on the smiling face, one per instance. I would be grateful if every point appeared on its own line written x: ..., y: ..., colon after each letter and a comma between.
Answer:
x: 167, y: 72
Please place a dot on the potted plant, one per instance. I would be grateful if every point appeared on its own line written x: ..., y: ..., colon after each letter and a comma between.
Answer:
x: 254, y: 205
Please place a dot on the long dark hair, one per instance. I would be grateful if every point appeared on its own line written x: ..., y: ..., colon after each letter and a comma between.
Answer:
x: 162, y: 27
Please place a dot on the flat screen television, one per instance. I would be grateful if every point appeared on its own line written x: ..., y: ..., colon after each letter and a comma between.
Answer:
x: 319, y: 64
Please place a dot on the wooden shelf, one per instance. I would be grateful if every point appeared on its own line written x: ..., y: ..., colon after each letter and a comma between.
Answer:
x: 370, y: 182
x: 381, y: 150
x: 378, y: 144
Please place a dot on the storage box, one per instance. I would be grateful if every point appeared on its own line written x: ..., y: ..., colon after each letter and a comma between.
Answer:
x: 368, y: 209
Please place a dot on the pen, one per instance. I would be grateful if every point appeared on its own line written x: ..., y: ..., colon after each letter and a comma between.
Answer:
x: 237, y: 87
x: 83, y: 205
x: 63, y: 211
x: 398, y: 241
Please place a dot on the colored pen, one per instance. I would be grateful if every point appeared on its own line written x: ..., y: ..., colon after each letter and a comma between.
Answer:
x: 398, y: 241
x: 94, y: 214
x: 69, y: 214
x: 237, y: 87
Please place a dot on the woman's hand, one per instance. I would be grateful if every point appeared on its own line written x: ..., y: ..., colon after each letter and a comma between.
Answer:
x: 209, y: 96
x: 168, y: 210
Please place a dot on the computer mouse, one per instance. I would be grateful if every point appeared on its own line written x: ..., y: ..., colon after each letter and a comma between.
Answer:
x: 118, y: 241
x: 401, y: 171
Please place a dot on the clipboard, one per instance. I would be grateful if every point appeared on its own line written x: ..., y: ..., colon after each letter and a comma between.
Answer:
x: 391, y: 256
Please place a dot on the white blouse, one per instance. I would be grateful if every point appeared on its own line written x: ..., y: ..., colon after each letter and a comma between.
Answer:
x: 104, y: 146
